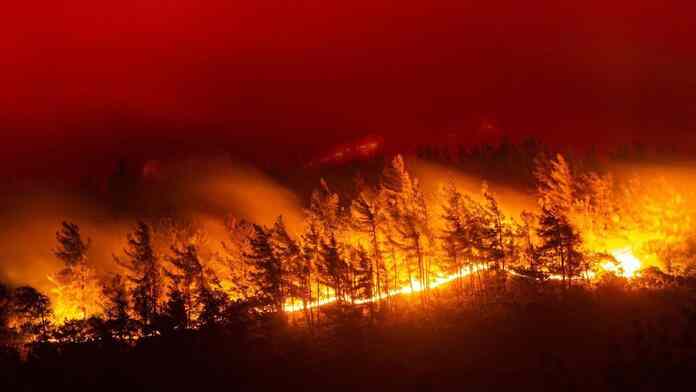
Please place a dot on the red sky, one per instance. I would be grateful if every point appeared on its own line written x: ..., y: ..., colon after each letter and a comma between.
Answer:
x: 82, y: 79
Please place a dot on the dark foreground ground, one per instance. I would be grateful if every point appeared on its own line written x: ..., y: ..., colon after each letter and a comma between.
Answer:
x: 587, y: 341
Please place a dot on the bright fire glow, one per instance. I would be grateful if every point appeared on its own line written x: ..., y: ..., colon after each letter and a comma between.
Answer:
x: 628, y: 264
x: 415, y: 287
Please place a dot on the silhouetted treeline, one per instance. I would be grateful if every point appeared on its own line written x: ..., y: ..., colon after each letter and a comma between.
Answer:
x: 514, y: 162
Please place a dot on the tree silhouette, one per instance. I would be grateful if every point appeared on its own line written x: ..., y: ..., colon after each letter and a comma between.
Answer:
x: 214, y: 303
x: 455, y: 239
x: 175, y: 315
x: 33, y: 311
x: 72, y: 250
x: 116, y: 309
x: 367, y: 217
x: 334, y: 270
x: 236, y: 269
x: 409, y: 223
x: 559, y: 245
x: 267, y: 273
x: 310, y: 242
x: 555, y: 185
x: 296, y: 271
x: 187, y: 277
x: 560, y: 240
x: 144, y: 273
x: 363, y: 286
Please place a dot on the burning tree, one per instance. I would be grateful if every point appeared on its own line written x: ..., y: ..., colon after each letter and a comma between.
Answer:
x: 77, y: 292
x: 559, y: 239
x: 324, y: 219
x: 363, y: 278
x: 457, y: 243
x: 296, y: 270
x: 367, y: 217
x: 236, y: 280
x: 408, y: 221
x: 334, y: 270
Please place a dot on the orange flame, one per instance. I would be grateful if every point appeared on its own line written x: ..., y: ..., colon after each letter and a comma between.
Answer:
x: 628, y: 264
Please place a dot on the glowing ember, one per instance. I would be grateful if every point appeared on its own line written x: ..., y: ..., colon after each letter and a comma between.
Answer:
x: 628, y: 264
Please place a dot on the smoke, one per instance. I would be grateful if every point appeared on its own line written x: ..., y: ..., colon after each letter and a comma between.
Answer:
x: 218, y: 187
x: 204, y: 191
x: 432, y: 176
x: 678, y: 175
x: 28, y: 224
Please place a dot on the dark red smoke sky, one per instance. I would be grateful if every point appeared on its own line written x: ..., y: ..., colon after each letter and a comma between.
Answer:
x: 83, y: 79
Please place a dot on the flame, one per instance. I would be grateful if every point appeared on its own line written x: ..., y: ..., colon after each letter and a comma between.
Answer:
x: 414, y: 287
x: 628, y: 264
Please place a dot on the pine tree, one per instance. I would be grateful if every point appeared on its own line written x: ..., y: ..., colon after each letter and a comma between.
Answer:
x: 267, y: 271
x: 559, y: 245
x: 367, y: 218
x: 296, y: 272
x: 396, y: 181
x: 555, y: 185
x: 72, y: 250
x: 237, y: 278
x: 33, y: 312
x: 77, y: 288
x: 324, y: 209
x: 174, y: 315
x: 396, y: 190
x: 494, y: 232
x: 117, y: 307
x: 408, y: 220
x: 530, y: 252
x: 597, y: 217
x: 363, y: 286
x: 187, y: 277
x: 454, y: 236
x: 560, y: 239
x: 144, y: 273
x: 334, y: 270
x: 213, y: 301
x: 178, y: 232
x: 324, y: 218
x: 311, y: 245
